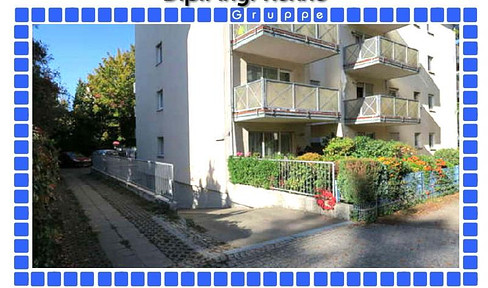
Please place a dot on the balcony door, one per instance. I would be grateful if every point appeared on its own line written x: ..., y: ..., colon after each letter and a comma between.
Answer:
x: 364, y: 89
x: 256, y: 72
x: 270, y: 143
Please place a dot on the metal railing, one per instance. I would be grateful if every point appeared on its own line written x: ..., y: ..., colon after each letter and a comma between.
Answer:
x: 153, y: 176
x: 274, y: 94
x: 324, y: 32
x: 382, y: 106
x: 382, y: 48
x: 305, y: 177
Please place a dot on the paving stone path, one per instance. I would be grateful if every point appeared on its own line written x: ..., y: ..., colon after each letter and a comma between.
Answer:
x: 134, y: 234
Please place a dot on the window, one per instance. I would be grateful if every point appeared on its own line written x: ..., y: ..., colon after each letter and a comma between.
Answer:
x: 367, y: 134
x: 431, y: 101
x: 430, y: 60
x: 160, y: 146
x: 393, y: 92
x: 416, y: 25
x: 160, y: 99
x: 416, y: 95
x: 159, y: 53
x: 416, y: 140
x: 431, y: 140
x: 315, y: 82
x: 364, y: 89
x: 256, y: 72
x: 269, y: 143
x: 395, y: 136
x: 429, y: 30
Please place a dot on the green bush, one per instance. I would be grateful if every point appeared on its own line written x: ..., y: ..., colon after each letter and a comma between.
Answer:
x: 450, y: 155
x: 45, y: 172
x: 339, y: 148
x: 310, y: 156
x: 359, y: 180
x: 253, y: 171
x: 366, y: 147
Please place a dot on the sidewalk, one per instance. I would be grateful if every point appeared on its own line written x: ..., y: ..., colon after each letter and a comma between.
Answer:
x: 124, y: 245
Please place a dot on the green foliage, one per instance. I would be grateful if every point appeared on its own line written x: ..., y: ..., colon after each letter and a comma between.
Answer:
x: 450, y: 155
x: 310, y: 156
x: 339, y: 148
x: 253, y: 171
x: 50, y: 109
x: 393, y: 172
x: 45, y: 172
x: 104, y: 106
x: 365, y: 147
x: 359, y: 179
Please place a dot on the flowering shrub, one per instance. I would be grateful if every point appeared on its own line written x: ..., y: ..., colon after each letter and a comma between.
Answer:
x: 239, y: 154
x: 449, y: 155
x: 325, y: 199
x: 416, y: 164
x: 310, y: 157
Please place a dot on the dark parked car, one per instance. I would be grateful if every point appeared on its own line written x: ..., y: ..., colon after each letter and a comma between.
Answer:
x: 73, y: 159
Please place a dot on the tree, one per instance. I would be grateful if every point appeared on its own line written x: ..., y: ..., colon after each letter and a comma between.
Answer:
x: 50, y: 111
x: 112, y: 98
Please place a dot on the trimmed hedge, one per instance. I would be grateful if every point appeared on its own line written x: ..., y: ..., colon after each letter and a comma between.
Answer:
x: 253, y: 171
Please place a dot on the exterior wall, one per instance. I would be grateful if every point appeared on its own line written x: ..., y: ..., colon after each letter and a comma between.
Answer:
x: 441, y: 120
x: 198, y: 73
x: 172, y: 76
x: 195, y: 120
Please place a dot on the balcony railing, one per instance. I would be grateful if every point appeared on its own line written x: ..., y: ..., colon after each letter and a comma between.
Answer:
x: 324, y: 32
x: 299, y: 43
x: 266, y: 98
x: 384, y: 51
x: 382, y: 109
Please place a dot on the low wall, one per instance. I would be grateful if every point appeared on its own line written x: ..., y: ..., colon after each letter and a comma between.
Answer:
x: 260, y: 198
x: 194, y: 197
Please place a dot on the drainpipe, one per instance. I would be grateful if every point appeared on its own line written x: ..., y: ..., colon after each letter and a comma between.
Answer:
x: 231, y: 71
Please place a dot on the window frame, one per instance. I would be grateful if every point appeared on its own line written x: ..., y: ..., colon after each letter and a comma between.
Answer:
x: 430, y: 64
x: 416, y: 95
x: 417, y: 141
x: 263, y: 138
x: 278, y: 73
x: 160, y: 147
x: 430, y: 102
x: 160, y: 100
x: 432, y: 141
x: 159, y: 53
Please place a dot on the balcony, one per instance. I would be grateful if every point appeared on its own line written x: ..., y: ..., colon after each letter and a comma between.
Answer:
x: 298, y: 43
x: 376, y: 29
x: 380, y: 58
x: 382, y: 109
x: 267, y: 100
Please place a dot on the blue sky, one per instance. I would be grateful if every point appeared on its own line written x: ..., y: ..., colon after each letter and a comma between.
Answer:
x: 78, y: 49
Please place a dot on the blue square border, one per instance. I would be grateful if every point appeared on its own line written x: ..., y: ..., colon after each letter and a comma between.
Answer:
x: 25, y: 17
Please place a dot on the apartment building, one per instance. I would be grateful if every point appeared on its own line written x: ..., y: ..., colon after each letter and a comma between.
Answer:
x: 207, y: 91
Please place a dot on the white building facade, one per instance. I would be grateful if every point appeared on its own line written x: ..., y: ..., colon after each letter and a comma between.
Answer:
x: 208, y: 91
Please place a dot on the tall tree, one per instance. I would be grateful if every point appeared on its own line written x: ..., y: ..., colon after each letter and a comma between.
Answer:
x: 50, y: 111
x: 111, y: 86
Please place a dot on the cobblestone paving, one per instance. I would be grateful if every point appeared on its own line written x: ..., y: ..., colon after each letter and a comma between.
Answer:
x: 180, y: 243
x: 375, y: 245
x: 356, y: 246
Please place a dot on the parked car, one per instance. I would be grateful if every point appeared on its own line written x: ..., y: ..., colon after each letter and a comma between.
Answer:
x: 74, y: 159
x: 106, y: 152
